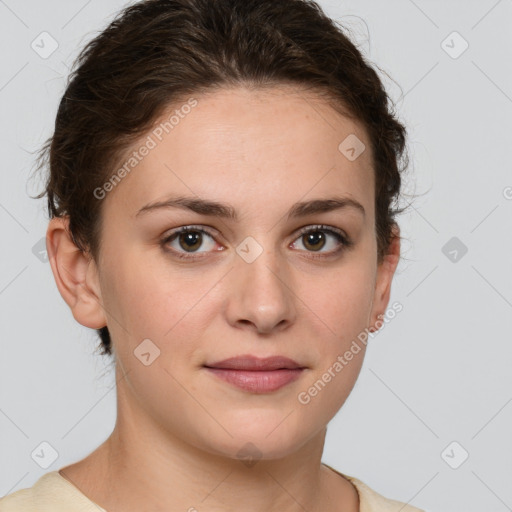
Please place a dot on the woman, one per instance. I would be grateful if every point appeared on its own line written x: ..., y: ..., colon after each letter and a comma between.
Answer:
x: 222, y: 174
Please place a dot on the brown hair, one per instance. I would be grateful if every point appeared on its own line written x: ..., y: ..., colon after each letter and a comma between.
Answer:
x: 157, y: 52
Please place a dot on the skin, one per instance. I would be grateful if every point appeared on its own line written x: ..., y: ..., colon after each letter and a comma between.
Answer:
x: 179, y: 428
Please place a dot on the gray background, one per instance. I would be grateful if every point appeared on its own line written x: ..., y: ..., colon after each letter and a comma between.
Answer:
x: 438, y: 373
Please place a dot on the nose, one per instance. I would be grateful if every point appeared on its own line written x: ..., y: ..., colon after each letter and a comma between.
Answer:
x: 261, y: 296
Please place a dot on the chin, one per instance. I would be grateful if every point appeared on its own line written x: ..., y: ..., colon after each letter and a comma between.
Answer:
x: 261, y: 439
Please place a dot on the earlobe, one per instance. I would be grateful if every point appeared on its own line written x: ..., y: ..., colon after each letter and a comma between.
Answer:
x: 385, y: 273
x: 75, y: 274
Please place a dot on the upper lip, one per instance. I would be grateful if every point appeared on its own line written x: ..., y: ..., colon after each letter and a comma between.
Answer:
x: 249, y: 362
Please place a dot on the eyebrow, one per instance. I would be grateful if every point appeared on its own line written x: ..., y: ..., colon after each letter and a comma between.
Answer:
x: 226, y: 211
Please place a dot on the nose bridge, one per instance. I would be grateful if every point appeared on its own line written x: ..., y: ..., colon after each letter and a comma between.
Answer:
x: 262, y: 291
x: 260, y: 262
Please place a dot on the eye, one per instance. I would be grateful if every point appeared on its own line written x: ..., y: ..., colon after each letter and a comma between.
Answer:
x: 314, y: 239
x: 189, y: 238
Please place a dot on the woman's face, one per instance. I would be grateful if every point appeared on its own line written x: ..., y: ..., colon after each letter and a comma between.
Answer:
x: 250, y: 286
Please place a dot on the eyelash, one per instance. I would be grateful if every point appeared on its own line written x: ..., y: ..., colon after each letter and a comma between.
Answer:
x: 345, y: 242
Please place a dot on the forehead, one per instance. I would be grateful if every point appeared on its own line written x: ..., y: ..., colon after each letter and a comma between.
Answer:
x: 250, y: 147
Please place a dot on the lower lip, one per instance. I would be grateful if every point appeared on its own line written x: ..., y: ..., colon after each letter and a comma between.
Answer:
x: 258, y: 381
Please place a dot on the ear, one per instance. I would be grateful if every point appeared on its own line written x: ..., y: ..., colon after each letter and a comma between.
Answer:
x: 385, y: 272
x: 76, y: 275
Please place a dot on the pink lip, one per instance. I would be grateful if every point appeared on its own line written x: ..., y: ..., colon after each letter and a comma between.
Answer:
x: 248, y: 362
x: 256, y: 374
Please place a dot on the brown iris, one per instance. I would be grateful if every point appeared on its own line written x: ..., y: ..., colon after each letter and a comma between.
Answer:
x: 314, y: 238
x: 192, y: 239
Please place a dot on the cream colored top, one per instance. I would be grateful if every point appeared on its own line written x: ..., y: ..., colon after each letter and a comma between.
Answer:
x: 53, y: 493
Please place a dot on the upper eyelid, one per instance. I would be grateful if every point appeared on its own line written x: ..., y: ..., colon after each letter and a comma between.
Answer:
x: 207, y: 229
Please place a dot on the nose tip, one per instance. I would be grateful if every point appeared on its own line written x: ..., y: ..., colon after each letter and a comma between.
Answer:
x: 261, y: 298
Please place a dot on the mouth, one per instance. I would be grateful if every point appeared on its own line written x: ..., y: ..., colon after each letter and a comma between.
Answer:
x: 256, y: 374
x: 253, y: 363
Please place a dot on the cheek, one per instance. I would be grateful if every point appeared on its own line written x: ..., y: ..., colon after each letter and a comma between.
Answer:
x: 168, y: 305
x: 342, y: 313
x: 340, y: 350
x: 343, y: 300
